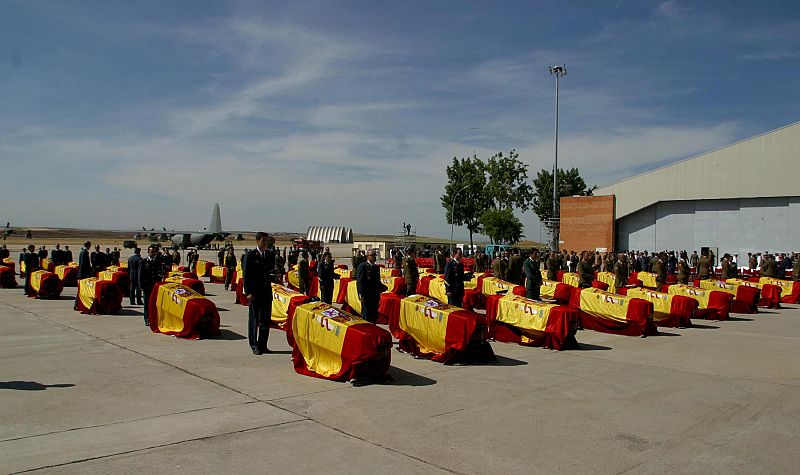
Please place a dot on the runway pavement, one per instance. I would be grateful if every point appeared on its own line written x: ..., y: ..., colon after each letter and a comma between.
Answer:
x: 99, y: 394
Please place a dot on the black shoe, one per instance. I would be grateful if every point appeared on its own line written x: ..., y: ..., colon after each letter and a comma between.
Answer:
x: 146, y: 323
x: 256, y: 351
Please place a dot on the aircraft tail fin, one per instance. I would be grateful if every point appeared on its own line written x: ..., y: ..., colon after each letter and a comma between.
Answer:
x: 215, y: 226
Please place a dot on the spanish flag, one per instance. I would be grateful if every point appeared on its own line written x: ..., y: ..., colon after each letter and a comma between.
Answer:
x: 712, y: 304
x: 68, y: 275
x: 345, y: 272
x: 571, y: 279
x: 48, y: 265
x: 98, y: 297
x: 557, y: 291
x: 121, y: 279
x: 790, y: 290
x: 218, y: 274
x: 46, y: 285
x: 432, y: 329
x: 516, y: 319
x: 770, y: 294
x: 647, y: 279
x: 194, y: 284
x: 609, y: 279
x: 390, y: 272
x: 241, y: 298
x: 7, y: 278
x: 203, y: 268
x: 293, y: 277
x: 177, y: 310
x: 284, y: 303
x: 669, y: 310
x: 339, y: 289
x: 745, y: 299
x: 611, y: 313
x: 493, y: 285
x: 8, y: 262
x: 332, y: 344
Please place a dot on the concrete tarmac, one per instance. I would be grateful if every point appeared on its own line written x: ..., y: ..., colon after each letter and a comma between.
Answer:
x: 100, y: 394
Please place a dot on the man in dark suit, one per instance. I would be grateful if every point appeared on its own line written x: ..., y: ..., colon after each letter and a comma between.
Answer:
x: 150, y: 272
x: 326, y: 275
x: 67, y: 255
x: 454, y: 279
x: 85, y: 262
x: 303, y: 274
x: 31, y: 259
x: 259, y: 267
x: 55, y: 255
x: 98, y: 260
x: 133, y: 272
x: 369, y: 285
x: 42, y: 253
x: 533, y: 276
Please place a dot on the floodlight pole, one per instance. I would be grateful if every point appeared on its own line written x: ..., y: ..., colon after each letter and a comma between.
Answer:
x: 453, y: 216
x: 558, y: 71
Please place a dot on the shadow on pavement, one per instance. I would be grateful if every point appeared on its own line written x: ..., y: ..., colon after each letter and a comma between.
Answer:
x: 590, y: 347
x: 30, y: 385
x: 406, y: 378
x: 230, y: 335
x: 504, y: 361
x: 703, y: 327
x: 740, y: 319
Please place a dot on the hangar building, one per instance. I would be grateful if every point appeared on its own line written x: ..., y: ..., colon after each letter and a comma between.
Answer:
x: 741, y: 198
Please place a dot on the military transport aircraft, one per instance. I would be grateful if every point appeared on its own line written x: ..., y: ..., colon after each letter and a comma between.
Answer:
x: 186, y: 239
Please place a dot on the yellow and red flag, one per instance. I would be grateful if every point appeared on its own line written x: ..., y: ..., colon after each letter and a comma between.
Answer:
x: 194, y: 284
x: 46, y: 285
x: 669, y: 310
x: 390, y: 272
x: 745, y: 298
x: 284, y: 302
x: 333, y: 344
x: 571, y: 279
x: 769, y: 296
x: 430, y: 328
x: 790, y: 290
x: 611, y: 313
x: 609, y: 279
x: 492, y: 285
x: 98, y: 297
x: 344, y: 272
x: 712, y: 304
x: 7, y: 278
x: 203, y: 268
x: 218, y: 274
x: 339, y: 289
x: 648, y: 279
x: 48, y: 265
x: 119, y: 278
x: 517, y: 319
x: 68, y: 275
x: 177, y: 310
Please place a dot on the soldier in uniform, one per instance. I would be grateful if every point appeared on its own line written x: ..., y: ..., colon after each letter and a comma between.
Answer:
x: 683, y: 271
x: 515, y: 272
x: 150, y: 271
x: 397, y: 259
x: 552, y: 267
x: 31, y: 259
x: 411, y: 272
x: 500, y: 267
x: 440, y: 260
x: 326, y: 275
x: 703, y: 266
x: 694, y: 259
x: 303, y: 274
x: 726, y: 267
x: 796, y: 268
x: 133, y: 274
x: 660, y: 270
x: 230, y: 265
x: 280, y: 268
x: 369, y: 286
x: 620, y: 272
x: 85, y: 262
x: 454, y: 280
x: 768, y: 267
x: 585, y: 271
x: 480, y: 261
x: 259, y: 267
x: 533, y: 276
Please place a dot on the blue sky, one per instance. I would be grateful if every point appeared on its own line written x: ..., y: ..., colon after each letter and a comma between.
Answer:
x: 289, y: 114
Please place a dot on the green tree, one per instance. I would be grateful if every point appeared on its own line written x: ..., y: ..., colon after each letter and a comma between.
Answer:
x: 507, y: 184
x: 465, y: 197
x: 502, y: 226
x: 570, y: 183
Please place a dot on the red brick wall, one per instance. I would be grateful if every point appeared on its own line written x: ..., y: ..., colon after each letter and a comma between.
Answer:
x: 587, y: 223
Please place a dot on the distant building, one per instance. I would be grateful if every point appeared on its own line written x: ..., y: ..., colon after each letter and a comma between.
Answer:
x: 328, y: 234
x: 741, y: 198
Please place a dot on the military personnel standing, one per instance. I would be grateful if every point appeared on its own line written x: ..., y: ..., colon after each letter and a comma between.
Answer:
x: 768, y: 267
x: 515, y: 272
x: 752, y: 261
x: 533, y: 275
x: 500, y: 268
x: 230, y: 265
x: 410, y: 271
x: 726, y: 267
x: 369, y: 286
x: 703, y: 266
x: 133, y: 275
x: 303, y: 275
x: 620, y: 272
x: 683, y: 271
x: 280, y: 268
x: 440, y: 261
x: 585, y: 271
x: 31, y: 260
x: 326, y: 274
x: 796, y: 268
x: 258, y: 269
x: 454, y: 280
x: 480, y: 261
x: 660, y: 270
x: 552, y: 267
x: 150, y: 272
x: 694, y: 259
